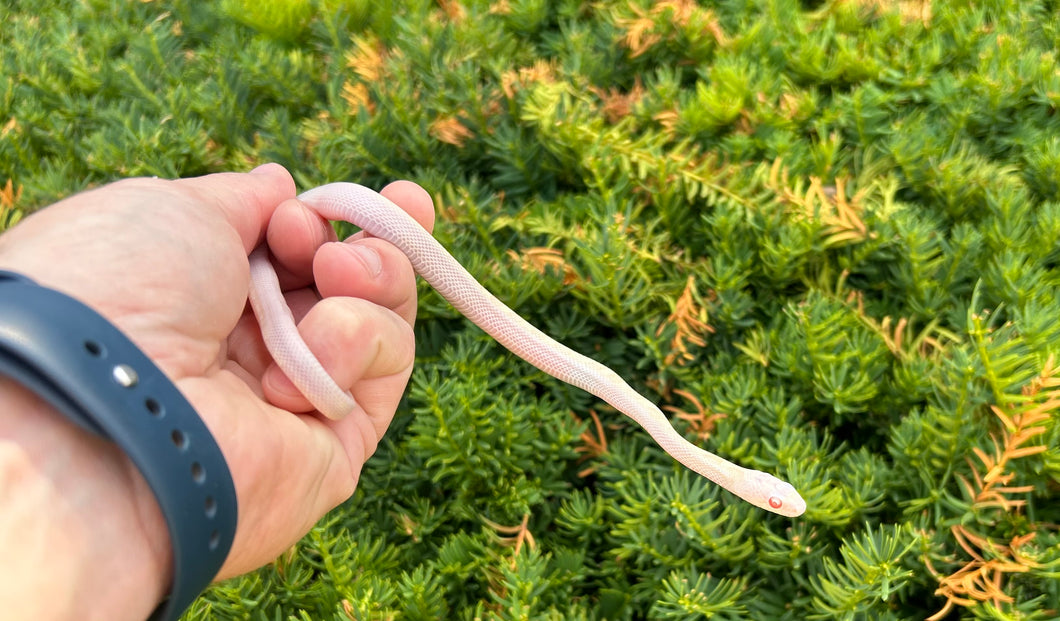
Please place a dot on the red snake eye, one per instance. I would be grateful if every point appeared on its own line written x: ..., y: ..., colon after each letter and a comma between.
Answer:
x: 775, y: 502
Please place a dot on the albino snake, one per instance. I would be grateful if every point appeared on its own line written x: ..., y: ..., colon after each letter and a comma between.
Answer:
x: 385, y: 220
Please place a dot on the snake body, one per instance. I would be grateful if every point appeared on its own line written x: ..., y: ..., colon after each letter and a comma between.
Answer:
x: 381, y: 218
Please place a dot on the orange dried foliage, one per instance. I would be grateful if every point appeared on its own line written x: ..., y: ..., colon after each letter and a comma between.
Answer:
x: 10, y: 213
x: 896, y: 335
x: 641, y: 31
x: 910, y: 10
x: 453, y: 10
x: 829, y: 205
x: 356, y: 97
x: 616, y: 105
x: 690, y: 319
x: 592, y: 445
x: 542, y: 259
x: 701, y: 421
x: 517, y: 536
x: 450, y: 130
x: 668, y: 120
x: 11, y: 126
x: 367, y: 58
x: 982, y: 578
x: 515, y: 80
x: 9, y: 196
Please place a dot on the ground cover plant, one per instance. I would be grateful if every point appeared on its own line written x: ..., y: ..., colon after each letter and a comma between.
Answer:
x: 823, y: 235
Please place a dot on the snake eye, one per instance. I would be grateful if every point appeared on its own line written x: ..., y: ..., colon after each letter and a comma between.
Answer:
x: 775, y: 502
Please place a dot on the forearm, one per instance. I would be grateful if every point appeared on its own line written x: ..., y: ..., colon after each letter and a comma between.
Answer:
x: 79, y: 540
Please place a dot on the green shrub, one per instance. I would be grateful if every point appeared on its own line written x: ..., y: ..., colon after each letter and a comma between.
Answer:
x: 822, y: 234
x: 285, y: 20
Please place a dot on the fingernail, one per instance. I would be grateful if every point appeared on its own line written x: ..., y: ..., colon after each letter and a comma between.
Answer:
x: 261, y: 169
x: 368, y: 256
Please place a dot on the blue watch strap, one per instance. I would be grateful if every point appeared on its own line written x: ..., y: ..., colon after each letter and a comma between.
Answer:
x: 77, y: 361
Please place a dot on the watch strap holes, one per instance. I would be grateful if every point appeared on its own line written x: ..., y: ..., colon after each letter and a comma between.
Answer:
x: 154, y: 408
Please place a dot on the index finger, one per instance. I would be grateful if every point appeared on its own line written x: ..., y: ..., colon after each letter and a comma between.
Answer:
x: 297, y: 232
x: 414, y: 200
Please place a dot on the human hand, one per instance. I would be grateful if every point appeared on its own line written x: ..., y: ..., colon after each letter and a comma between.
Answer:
x: 166, y: 261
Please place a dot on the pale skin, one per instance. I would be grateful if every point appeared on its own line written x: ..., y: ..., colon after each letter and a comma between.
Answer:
x: 166, y: 261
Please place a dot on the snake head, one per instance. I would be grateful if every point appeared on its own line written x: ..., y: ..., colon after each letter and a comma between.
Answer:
x: 770, y: 493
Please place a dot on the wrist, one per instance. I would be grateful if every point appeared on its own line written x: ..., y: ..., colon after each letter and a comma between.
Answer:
x: 80, y: 528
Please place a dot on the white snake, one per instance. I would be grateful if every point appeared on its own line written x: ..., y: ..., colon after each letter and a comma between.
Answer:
x: 383, y: 219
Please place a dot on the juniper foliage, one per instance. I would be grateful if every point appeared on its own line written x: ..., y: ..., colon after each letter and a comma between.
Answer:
x: 822, y: 234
